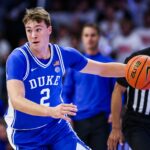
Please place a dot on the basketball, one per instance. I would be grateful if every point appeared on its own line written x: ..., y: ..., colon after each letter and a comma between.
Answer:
x: 138, y: 72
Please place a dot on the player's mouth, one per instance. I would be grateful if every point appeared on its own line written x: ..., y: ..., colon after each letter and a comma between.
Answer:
x: 36, y: 42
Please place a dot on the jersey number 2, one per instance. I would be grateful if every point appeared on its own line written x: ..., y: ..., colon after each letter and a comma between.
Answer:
x: 46, y: 96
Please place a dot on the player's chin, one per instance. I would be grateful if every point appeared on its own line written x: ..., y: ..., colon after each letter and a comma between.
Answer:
x: 36, y: 45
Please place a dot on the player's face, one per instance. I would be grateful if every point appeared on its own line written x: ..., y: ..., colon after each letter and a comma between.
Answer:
x: 90, y: 38
x: 37, y: 34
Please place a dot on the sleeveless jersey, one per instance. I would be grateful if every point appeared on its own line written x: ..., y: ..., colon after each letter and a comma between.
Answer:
x: 42, y: 81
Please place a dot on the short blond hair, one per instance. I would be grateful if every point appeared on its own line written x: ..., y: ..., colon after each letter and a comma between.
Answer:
x: 37, y: 14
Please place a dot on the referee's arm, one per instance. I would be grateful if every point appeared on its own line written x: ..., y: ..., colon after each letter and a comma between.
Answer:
x: 116, y: 106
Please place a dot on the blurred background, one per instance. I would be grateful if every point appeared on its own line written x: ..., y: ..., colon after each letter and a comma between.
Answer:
x: 124, y: 25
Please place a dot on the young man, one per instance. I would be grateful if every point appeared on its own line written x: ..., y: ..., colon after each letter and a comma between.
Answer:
x: 37, y: 117
x: 136, y: 120
x: 91, y: 94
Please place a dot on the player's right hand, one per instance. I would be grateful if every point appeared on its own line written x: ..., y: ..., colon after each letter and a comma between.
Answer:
x: 115, y: 137
x: 62, y: 111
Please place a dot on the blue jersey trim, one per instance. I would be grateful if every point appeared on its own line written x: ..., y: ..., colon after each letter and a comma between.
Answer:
x: 60, y: 58
x: 37, y: 60
x: 28, y: 64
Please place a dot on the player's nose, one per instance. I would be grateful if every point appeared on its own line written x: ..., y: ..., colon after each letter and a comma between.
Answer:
x: 33, y: 35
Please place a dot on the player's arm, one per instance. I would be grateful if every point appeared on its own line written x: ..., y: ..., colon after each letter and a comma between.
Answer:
x: 16, y: 94
x: 104, y: 69
x: 73, y: 59
x: 116, y: 106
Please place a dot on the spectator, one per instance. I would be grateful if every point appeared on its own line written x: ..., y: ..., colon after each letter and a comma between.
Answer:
x: 110, y: 27
x: 144, y: 31
x: 4, y: 52
x: 126, y: 42
x: 91, y: 94
x: 137, y: 8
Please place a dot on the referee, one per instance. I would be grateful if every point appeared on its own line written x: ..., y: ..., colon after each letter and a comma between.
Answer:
x: 136, y: 118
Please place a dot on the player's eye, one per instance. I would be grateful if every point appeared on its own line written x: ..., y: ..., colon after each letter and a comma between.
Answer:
x: 28, y: 31
x: 38, y: 29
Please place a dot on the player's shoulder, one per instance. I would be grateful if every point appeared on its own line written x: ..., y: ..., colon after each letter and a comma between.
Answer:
x: 16, y: 54
x: 145, y: 51
x: 67, y: 50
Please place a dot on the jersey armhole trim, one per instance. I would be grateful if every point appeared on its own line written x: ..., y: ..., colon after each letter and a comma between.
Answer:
x: 27, y: 67
x: 60, y: 58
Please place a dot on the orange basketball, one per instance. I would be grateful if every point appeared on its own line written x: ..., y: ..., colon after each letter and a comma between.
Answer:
x: 138, y: 72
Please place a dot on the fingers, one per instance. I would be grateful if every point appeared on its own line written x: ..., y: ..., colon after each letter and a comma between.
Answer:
x: 70, y: 113
x: 65, y: 117
x: 66, y: 105
x: 113, y: 141
x: 69, y: 108
x: 115, y: 137
x: 112, y: 144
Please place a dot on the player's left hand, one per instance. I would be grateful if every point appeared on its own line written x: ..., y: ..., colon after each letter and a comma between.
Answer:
x: 62, y: 111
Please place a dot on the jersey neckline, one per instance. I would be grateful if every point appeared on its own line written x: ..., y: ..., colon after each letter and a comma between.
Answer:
x: 37, y: 60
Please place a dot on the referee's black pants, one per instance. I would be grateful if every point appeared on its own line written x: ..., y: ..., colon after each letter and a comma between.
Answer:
x: 93, y: 131
x: 136, y: 132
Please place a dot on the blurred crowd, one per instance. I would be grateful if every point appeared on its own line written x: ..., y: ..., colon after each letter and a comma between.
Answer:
x: 124, y: 25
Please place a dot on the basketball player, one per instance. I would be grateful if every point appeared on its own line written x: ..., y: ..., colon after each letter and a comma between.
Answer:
x: 37, y: 117
x: 91, y: 122
x: 136, y: 120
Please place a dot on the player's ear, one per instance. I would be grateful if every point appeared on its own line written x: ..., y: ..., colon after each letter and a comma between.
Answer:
x: 50, y: 29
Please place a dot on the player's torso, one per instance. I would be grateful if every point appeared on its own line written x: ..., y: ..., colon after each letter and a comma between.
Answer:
x: 43, y: 84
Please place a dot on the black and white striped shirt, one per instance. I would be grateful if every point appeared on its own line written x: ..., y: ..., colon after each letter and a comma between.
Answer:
x: 137, y: 101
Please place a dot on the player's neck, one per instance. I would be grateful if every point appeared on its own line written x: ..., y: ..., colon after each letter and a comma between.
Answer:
x: 42, y: 53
